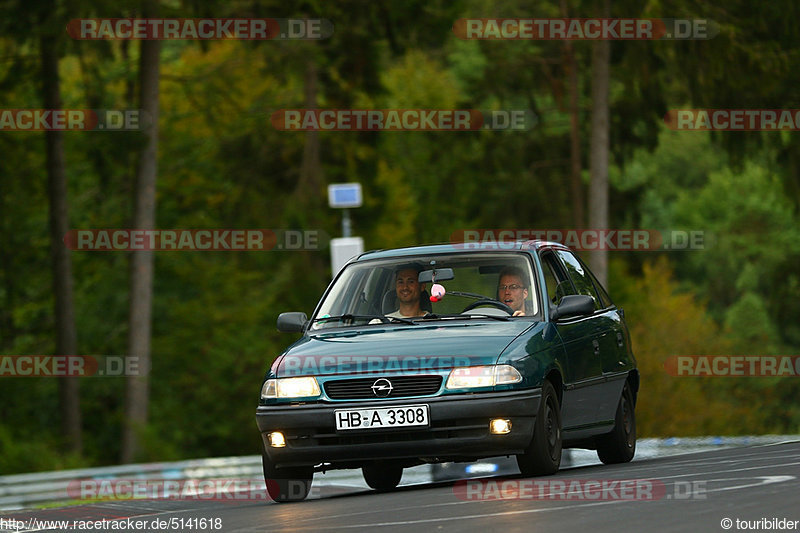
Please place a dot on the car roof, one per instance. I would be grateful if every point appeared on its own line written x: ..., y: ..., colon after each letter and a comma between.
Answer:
x: 465, y: 248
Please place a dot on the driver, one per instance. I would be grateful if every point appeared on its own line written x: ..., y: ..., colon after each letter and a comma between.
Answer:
x: 512, y: 290
x: 408, y: 290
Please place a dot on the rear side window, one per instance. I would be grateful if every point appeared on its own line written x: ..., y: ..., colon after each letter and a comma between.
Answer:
x: 605, y: 299
x: 580, y: 277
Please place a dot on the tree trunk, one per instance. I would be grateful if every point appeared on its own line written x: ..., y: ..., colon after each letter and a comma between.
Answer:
x: 141, y: 275
x: 311, y: 169
x: 66, y: 337
x: 576, y: 186
x: 598, y: 196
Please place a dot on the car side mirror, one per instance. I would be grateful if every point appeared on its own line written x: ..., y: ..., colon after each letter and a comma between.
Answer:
x: 573, y: 305
x: 294, y: 321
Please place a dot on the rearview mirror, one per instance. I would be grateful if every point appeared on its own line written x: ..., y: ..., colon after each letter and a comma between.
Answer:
x: 442, y: 274
x: 573, y: 305
x: 294, y: 321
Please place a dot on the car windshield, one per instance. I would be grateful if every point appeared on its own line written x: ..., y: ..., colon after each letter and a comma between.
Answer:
x: 497, y: 286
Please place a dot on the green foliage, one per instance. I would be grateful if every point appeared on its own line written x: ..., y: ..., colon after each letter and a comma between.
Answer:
x: 33, y: 452
x: 666, y: 322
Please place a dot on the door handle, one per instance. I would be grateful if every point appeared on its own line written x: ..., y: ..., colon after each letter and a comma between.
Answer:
x: 596, y: 345
x: 620, y: 342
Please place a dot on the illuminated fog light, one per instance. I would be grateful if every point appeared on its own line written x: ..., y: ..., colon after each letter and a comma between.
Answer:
x: 276, y: 439
x: 500, y: 426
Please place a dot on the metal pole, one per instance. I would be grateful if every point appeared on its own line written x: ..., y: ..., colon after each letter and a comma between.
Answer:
x: 346, y: 225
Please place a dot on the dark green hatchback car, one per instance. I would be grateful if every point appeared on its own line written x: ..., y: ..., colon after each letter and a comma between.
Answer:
x: 449, y: 353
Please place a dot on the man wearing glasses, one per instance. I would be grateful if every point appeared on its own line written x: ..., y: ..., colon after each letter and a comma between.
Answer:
x: 512, y: 290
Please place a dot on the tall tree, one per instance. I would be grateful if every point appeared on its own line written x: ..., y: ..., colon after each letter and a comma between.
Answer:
x: 137, y: 392
x: 66, y: 337
x: 598, y: 156
x: 310, y: 182
x: 576, y: 187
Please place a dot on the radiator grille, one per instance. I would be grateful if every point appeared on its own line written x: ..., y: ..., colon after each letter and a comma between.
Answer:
x: 401, y: 386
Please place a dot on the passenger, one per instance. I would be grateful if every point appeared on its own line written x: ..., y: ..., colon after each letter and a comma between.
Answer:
x: 512, y: 290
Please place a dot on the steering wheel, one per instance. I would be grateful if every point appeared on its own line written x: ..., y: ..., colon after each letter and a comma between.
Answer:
x: 488, y: 301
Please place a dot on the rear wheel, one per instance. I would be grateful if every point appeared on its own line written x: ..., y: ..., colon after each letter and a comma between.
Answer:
x: 543, y: 455
x: 382, y: 476
x: 287, y: 484
x: 619, y: 446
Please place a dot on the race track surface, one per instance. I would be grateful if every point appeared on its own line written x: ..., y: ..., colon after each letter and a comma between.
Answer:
x: 693, y: 492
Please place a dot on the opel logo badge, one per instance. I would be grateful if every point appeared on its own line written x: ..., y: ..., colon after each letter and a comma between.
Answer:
x: 382, y: 388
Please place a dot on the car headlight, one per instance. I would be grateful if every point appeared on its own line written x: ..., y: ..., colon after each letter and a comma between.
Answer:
x: 482, y: 376
x: 304, y: 387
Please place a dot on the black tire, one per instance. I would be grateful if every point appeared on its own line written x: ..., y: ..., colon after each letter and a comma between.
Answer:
x: 287, y: 484
x: 619, y: 446
x: 543, y: 455
x: 382, y: 476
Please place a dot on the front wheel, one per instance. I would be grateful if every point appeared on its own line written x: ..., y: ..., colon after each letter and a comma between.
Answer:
x: 619, y: 446
x: 287, y: 484
x: 543, y: 455
x: 382, y: 477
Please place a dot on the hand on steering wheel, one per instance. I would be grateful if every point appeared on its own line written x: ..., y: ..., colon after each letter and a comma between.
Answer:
x: 488, y: 301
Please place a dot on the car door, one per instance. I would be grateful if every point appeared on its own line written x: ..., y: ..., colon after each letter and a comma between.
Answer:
x: 582, y: 366
x: 615, y: 356
x: 605, y: 387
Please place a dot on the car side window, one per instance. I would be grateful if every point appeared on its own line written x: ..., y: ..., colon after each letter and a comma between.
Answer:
x: 557, y: 282
x: 579, y: 276
x: 605, y: 299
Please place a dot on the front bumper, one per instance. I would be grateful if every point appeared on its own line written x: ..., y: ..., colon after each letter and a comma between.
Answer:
x: 459, y: 430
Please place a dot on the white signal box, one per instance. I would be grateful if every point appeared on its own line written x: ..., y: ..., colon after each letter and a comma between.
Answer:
x: 344, y: 249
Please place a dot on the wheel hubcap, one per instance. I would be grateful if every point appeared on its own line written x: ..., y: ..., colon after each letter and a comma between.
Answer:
x: 551, y: 427
x: 627, y: 422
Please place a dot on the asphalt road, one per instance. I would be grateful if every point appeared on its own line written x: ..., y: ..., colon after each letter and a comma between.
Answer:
x: 692, y: 492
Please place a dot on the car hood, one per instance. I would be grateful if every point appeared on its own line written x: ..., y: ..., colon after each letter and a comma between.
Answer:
x: 378, y: 349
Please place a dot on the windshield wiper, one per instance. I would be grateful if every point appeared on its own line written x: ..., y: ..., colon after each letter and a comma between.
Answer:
x: 349, y: 316
x: 487, y: 315
x: 433, y: 316
x: 346, y: 316
x: 403, y: 320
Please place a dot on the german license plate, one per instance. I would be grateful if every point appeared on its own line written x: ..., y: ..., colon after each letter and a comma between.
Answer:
x: 386, y: 417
